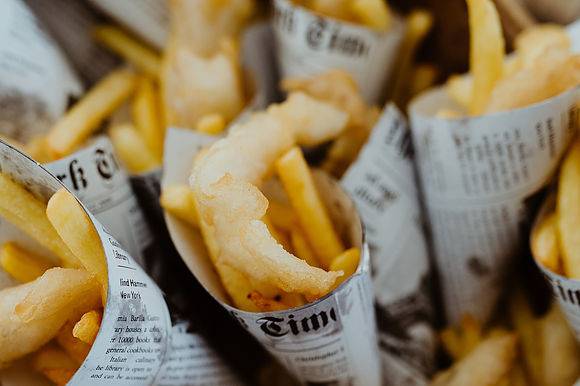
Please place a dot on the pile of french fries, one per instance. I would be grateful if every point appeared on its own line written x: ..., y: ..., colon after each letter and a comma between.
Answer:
x: 542, y: 66
x: 50, y: 317
x: 523, y: 350
x: 555, y: 240
x: 197, y: 82
x: 255, y: 201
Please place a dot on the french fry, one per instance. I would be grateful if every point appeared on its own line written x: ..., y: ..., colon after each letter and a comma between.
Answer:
x: 560, y: 353
x: 147, y: 117
x: 568, y: 209
x: 142, y: 57
x: 211, y: 124
x: 302, y: 249
x: 346, y: 262
x: 237, y: 286
x: 372, y: 13
x: 178, y: 200
x: 282, y: 216
x: 54, y: 364
x: 423, y: 77
x: 28, y: 213
x: 21, y: 264
x: 37, y: 149
x: 487, y: 365
x: 452, y: 342
x: 292, y: 300
x: 533, y: 43
x: 487, y: 51
x: 75, y: 348
x: 78, y: 232
x: 132, y: 149
x: 33, y: 313
x: 87, y: 328
x: 544, y: 243
x: 297, y: 180
x: 551, y: 75
x: 471, y: 331
x: 419, y: 23
x: 338, y: 9
x: 265, y: 304
x: 86, y: 115
x: 460, y: 89
x: 528, y: 333
x: 448, y: 114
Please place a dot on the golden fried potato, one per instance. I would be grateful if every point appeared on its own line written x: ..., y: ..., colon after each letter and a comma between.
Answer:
x: 31, y: 314
x: 486, y: 365
x: 551, y: 75
x: 231, y: 207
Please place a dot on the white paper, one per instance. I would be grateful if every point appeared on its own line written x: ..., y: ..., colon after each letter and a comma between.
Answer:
x: 382, y: 183
x: 147, y: 18
x: 134, y: 336
x: 308, y: 44
x: 36, y: 82
x: 191, y: 362
x: 94, y: 175
x: 332, y: 340
x: 479, y: 176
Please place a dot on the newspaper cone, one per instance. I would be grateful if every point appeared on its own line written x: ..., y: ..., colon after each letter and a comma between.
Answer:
x: 308, y: 43
x: 565, y: 290
x: 481, y: 177
x: 332, y: 340
x: 134, y: 336
x: 257, y: 59
x: 382, y: 184
x: 36, y: 82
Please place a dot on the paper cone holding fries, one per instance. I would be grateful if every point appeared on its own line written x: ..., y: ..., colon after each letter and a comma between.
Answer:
x: 479, y: 176
x: 309, y: 43
x: 332, y: 339
x: 487, y: 143
x: 132, y: 336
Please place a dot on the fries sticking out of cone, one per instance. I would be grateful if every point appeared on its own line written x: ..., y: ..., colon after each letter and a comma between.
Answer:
x: 272, y: 238
x: 542, y: 65
x: 223, y: 185
x: 518, y: 351
x: 38, y: 310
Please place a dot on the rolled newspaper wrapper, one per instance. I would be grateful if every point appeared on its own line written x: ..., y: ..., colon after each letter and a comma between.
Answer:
x: 382, y: 184
x: 308, y: 43
x: 134, y: 337
x: 164, y: 259
x: 147, y: 18
x: 36, y: 81
x: 333, y: 339
x: 565, y: 290
x: 93, y: 174
x: 481, y: 179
